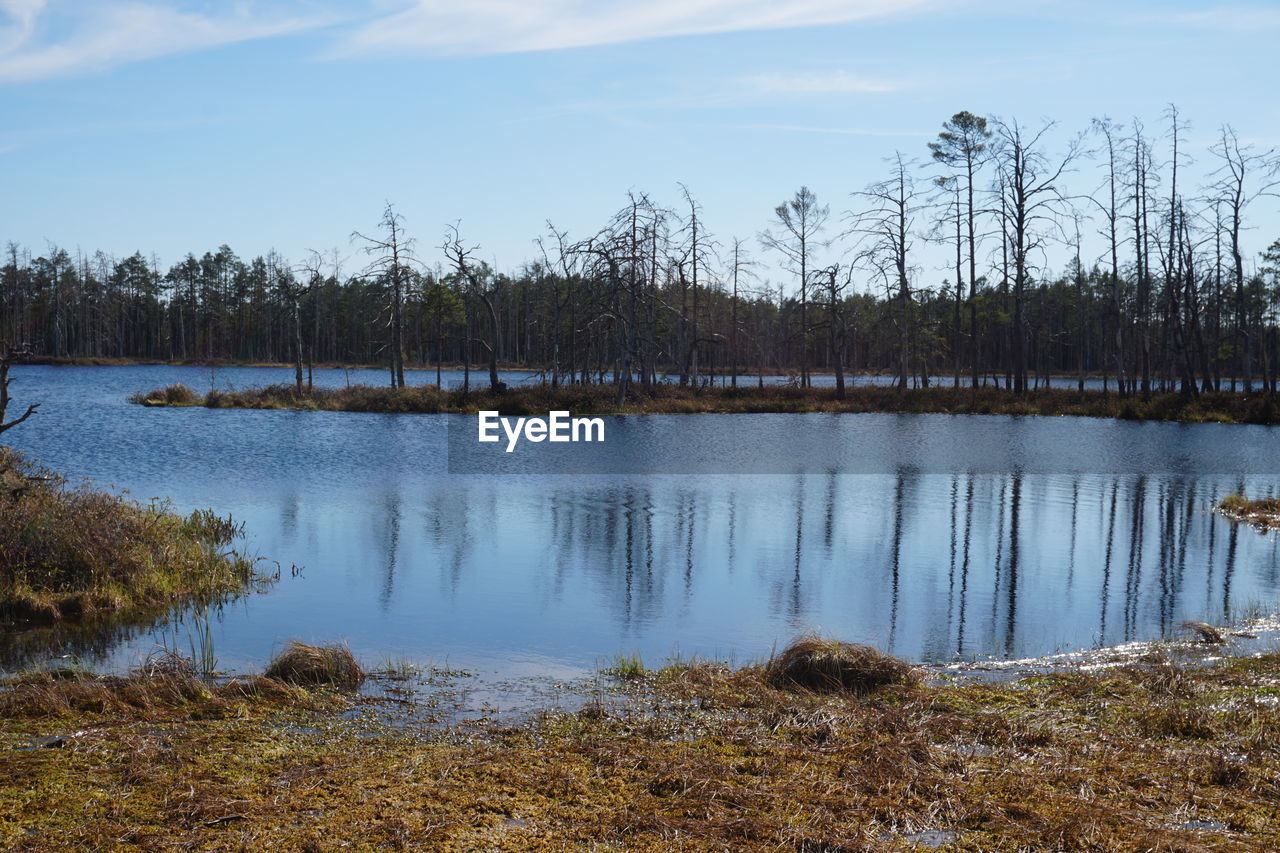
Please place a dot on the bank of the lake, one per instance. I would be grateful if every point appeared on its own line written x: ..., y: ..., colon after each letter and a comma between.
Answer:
x: 68, y: 553
x: 1164, y: 753
x: 664, y: 398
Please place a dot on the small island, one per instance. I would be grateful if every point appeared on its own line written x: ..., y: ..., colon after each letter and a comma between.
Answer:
x: 672, y: 398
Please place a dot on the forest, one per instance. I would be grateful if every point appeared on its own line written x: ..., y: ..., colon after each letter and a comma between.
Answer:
x: 1164, y: 298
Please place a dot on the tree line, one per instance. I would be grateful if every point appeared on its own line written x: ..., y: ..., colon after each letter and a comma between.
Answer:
x: 1163, y: 299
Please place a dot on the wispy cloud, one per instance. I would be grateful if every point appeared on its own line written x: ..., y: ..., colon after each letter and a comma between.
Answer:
x: 442, y: 27
x: 42, y: 39
x: 1231, y: 18
x: 816, y: 82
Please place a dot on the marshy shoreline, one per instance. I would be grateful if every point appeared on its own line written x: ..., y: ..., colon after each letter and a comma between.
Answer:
x: 1218, y: 407
x: 851, y: 751
x: 80, y: 552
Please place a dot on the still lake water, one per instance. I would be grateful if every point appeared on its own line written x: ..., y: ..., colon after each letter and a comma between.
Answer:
x: 932, y: 536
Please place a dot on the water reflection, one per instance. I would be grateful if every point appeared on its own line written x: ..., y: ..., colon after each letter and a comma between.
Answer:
x: 523, y: 573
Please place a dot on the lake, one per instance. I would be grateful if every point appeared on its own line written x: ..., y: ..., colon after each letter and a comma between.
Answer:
x: 935, y: 537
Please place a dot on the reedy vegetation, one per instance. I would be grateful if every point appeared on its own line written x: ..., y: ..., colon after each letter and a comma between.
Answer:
x: 1163, y: 298
x: 67, y: 552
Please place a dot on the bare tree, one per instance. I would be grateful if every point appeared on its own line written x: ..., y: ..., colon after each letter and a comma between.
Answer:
x: 837, y: 280
x: 1031, y: 203
x: 1245, y: 175
x: 1109, y: 206
x: 460, y: 256
x: 10, y: 355
x: 393, y: 254
x: 740, y: 264
x: 884, y: 229
x: 801, y: 220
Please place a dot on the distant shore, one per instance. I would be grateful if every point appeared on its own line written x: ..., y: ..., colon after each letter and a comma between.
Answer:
x: 1220, y: 407
x: 746, y: 373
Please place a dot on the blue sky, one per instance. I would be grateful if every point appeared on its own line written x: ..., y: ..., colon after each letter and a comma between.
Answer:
x: 286, y: 124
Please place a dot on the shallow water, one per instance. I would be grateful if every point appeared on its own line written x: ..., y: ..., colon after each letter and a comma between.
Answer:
x: 935, y: 537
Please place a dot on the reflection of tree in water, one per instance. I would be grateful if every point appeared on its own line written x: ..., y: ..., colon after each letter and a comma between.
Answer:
x: 447, y: 524
x: 615, y: 534
x: 1020, y: 547
x: 927, y: 565
x: 391, y: 502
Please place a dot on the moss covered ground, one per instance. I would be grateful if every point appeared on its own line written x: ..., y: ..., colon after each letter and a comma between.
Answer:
x: 1152, y: 756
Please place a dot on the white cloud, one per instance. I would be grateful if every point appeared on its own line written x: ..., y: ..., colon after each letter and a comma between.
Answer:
x: 1240, y: 18
x: 442, y: 27
x: 43, y: 40
x: 815, y: 82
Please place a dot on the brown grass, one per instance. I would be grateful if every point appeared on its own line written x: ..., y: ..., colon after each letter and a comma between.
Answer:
x: 1263, y: 513
x: 1221, y: 407
x: 825, y: 665
x: 173, y: 395
x: 1205, y: 632
x: 308, y: 665
x: 68, y: 552
x: 1157, y: 756
x: 146, y: 694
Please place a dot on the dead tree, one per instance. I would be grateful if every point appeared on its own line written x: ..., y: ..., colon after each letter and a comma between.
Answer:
x: 1110, y: 211
x: 801, y: 219
x: 459, y: 255
x: 1245, y: 175
x: 393, y: 253
x: 1030, y: 202
x: 884, y: 229
x: 10, y: 355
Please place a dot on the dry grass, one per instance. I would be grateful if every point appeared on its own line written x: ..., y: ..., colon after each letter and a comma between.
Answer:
x: 303, y: 664
x: 70, y: 552
x: 1152, y: 757
x: 827, y: 665
x: 1220, y: 407
x: 146, y: 694
x: 1263, y: 513
x: 173, y: 395
x: 1205, y: 632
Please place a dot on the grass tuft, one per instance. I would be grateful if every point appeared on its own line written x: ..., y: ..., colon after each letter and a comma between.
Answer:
x: 825, y: 665
x: 308, y: 665
x: 174, y: 395
x: 629, y: 667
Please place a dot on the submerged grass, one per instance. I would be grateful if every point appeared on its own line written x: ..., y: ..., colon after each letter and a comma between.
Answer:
x: 71, y: 552
x: 627, y: 667
x: 1222, y: 407
x: 1154, y: 756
